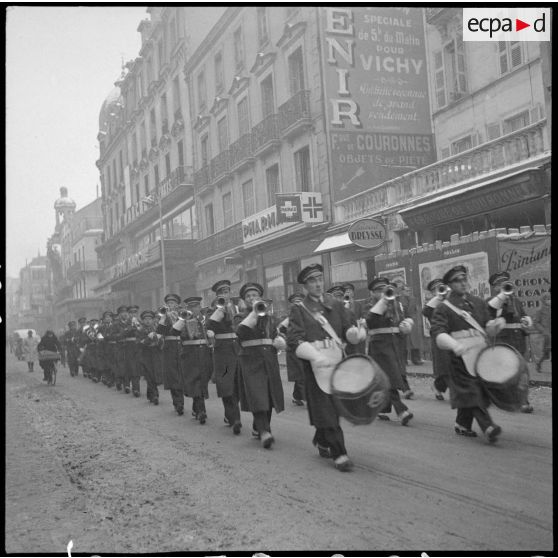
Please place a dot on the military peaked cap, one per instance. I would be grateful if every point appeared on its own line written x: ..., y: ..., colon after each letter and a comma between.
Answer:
x: 121, y: 309
x: 434, y: 283
x: 377, y: 282
x: 309, y: 271
x: 251, y: 287
x: 454, y: 273
x: 147, y: 314
x: 499, y: 277
x: 192, y: 300
x: 221, y: 284
x: 173, y: 297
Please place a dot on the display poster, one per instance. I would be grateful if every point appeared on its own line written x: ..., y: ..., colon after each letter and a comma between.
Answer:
x: 376, y: 87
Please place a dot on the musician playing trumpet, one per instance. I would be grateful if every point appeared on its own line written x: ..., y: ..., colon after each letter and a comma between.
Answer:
x: 440, y: 359
x: 386, y: 320
x: 149, y: 343
x: 124, y: 333
x: 171, y: 327
x: 505, y: 304
x: 259, y: 378
x: 356, y: 313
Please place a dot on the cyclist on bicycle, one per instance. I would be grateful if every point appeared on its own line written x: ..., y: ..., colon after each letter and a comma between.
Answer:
x: 49, y: 342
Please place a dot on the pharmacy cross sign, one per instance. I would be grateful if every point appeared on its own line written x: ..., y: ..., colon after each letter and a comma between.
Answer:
x: 312, y: 208
x: 289, y: 210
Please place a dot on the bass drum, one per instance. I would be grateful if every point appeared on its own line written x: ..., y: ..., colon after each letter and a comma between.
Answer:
x: 359, y: 388
x: 504, y: 375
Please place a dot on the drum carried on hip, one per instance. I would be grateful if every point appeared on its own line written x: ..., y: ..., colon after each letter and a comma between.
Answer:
x: 504, y: 375
x: 359, y: 388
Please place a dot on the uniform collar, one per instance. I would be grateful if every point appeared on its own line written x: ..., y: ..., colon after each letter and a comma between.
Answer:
x: 317, y: 306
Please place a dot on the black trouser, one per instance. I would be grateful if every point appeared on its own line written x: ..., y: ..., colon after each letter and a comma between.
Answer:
x: 152, y: 390
x: 73, y: 365
x: 198, y: 405
x: 298, y: 390
x: 232, y: 409
x: 331, y: 438
x: 394, y: 399
x: 135, y: 383
x: 465, y: 417
x: 177, y: 398
x: 441, y: 383
x: 262, y: 421
x: 30, y: 366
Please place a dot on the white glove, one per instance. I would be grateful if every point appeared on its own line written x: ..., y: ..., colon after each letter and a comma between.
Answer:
x: 499, y: 300
x: 353, y: 335
x: 361, y: 334
x: 152, y: 335
x: 406, y: 326
x: 493, y: 327
x: 447, y: 343
x: 380, y: 307
x: 179, y: 324
x: 435, y: 301
x: 251, y: 320
x: 210, y: 334
x: 279, y: 343
x: 307, y: 351
x: 526, y: 321
x: 218, y: 315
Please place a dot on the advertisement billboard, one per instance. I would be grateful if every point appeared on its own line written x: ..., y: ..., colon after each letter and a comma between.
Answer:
x: 376, y: 88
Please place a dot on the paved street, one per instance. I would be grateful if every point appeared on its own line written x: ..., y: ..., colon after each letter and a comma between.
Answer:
x: 115, y: 474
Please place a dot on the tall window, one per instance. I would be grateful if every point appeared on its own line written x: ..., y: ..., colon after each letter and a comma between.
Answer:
x: 137, y: 192
x: 238, y: 49
x: 180, y: 149
x: 268, y: 103
x: 243, y: 117
x: 156, y: 169
x: 516, y: 122
x: 176, y: 98
x: 227, y: 210
x: 223, y: 134
x: 219, y: 76
x: 204, y: 151
x: 143, y: 137
x: 114, y: 178
x: 202, y: 94
x: 209, y: 223
x: 146, y: 185
x: 121, y: 165
x: 272, y: 183
x: 263, y: 34
x: 134, y: 147
x: 248, y: 201
x: 450, y: 78
x: 164, y: 114
x: 302, y: 169
x: 296, y: 71
x: 109, y: 185
x: 510, y: 55
x: 153, y: 127
x: 167, y: 165
x: 161, y: 52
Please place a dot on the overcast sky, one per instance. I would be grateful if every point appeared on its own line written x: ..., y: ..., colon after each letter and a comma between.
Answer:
x: 61, y: 62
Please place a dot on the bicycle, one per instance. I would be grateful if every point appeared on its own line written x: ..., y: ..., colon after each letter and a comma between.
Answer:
x: 52, y: 375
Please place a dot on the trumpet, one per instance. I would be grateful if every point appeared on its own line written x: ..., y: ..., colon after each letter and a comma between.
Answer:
x: 185, y: 314
x: 442, y: 290
x: 261, y: 308
x: 389, y: 293
x: 221, y: 302
x: 507, y: 287
x: 347, y: 298
x: 163, y: 311
x: 135, y: 323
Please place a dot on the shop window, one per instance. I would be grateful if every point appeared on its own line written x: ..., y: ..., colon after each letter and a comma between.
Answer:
x: 290, y: 274
x: 296, y: 71
x: 238, y: 49
x: 510, y: 55
x: 275, y: 287
x: 248, y: 201
x: 228, y: 219
x: 302, y: 169
x: 272, y: 183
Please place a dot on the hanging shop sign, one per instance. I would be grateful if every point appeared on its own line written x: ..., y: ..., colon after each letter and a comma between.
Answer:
x: 367, y: 233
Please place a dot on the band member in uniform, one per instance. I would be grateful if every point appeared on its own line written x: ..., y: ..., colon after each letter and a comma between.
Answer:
x: 196, y: 357
x: 543, y: 324
x: 125, y: 337
x: 454, y: 333
x: 107, y: 349
x: 133, y: 373
x: 295, y: 372
x: 259, y: 377
x: 97, y: 360
x: 172, y: 377
x: 356, y: 313
x: 386, y: 321
x: 149, y: 342
x: 336, y: 291
x: 70, y: 341
x: 441, y: 361
x: 220, y: 328
x: 503, y: 303
x: 318, y: 325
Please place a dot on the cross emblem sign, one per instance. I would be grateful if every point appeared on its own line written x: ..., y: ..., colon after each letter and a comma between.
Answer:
x: 312, y: 207
x: 288, y: 209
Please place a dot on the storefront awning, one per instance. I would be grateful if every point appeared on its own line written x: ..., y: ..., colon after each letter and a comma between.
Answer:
x: 477, y: 199
x: 334, y: 242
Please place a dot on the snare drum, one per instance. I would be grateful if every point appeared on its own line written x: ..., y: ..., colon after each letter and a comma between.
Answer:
x: 504, y: 374
x: 359, y: 388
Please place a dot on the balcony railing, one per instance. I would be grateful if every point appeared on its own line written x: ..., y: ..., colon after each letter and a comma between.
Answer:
x: 222, y: 241
x: 219, y: 165
x: 201, y: 177
x: 181, y: 176
x: 517, y: 147
x: 295, y: 111
x: 265, y: 134
x: 241, y: 150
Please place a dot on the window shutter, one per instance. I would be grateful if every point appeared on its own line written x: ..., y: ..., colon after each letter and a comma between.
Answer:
x: 503, y: 57
x: 493, y: 131
x: 439, y: 79
x: 516, y: 55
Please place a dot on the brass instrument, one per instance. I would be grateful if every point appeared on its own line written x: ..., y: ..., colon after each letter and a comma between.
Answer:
x: 389, y: 293
x: 186, y: 314
x: 347, y: 298
x: 508, y: 287
x: 163, y: 311
x: 260, y: 308
x: 442, y: 290
x: 221, y: 302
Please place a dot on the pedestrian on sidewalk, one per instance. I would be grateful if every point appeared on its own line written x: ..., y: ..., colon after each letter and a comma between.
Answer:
x: 30, y: 350
x: 542, y: 324
x: 386, y: 323
x: 259, y: 379
x: 441, y: 361
x: 453, y: 331
x: 48, y: 342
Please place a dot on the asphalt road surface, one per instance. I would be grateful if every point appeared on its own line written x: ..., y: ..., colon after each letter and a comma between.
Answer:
x: 114, y: 474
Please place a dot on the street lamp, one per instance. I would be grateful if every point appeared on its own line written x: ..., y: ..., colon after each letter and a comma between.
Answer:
x: 151, y: 201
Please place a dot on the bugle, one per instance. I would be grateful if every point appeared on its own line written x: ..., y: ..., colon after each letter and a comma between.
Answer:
x: 389, y: 293
x: 442, y: 290
x: 507, y: 287
x: 261, y: 308
x: 221, y: 302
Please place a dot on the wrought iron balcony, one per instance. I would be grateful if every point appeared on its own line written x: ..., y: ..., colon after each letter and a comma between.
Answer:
x: 77, y: 268
x: 201, y: 177
x: 241, y: 151
x: 181, y: 176
x: 485, y: 160
x: 265, y: 135
x: 295, y: 113
x: 224, y: 240
x: 219, y: 166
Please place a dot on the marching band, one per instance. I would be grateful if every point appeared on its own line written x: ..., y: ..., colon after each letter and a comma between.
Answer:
x: 184, y: 346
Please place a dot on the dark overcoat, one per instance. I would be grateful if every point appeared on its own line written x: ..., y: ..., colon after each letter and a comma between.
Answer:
x: 225, y: 356
x: 385, y: 348
x: 196, y: 360
x: 303, y: 327
x: 512, y: 312
x: 259, y: 377
x: 70, y: 341
x: 441, y: 360
x: 126, y: 351
x: 171, y: 361
x: 149, y: 355
x: 465, y: 390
